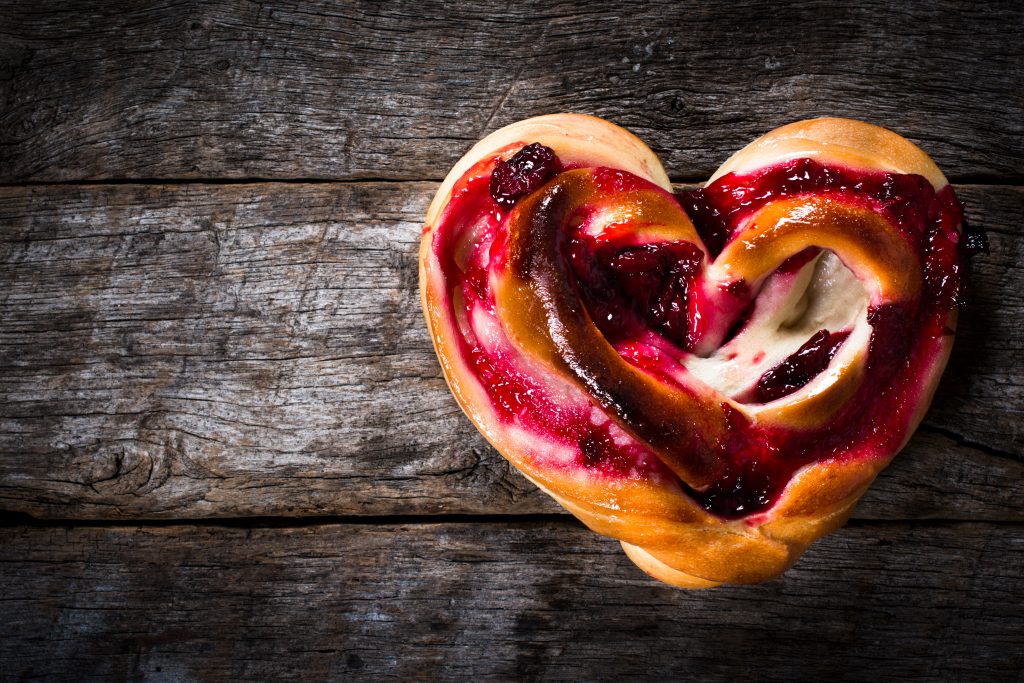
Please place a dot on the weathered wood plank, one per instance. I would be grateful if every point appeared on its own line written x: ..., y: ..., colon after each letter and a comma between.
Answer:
x: 364, y: 90
x: 520, y: 601
x: 188, y: 351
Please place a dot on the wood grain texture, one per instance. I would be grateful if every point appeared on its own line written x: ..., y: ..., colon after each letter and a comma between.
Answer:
x: 186, y: 351
x: 524, y: 601
x: 239, y: 89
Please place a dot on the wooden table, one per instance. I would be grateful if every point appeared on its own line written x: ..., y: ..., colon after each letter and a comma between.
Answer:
x: 226, y: 449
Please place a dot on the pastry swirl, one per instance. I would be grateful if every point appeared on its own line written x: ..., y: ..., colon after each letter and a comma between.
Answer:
x: 713, y: 378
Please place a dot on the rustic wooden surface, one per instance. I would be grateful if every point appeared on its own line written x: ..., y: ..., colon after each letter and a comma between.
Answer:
x: 257, y: 89
x: 516, y: 600
x: 234, y: 350
x: 226, y: 451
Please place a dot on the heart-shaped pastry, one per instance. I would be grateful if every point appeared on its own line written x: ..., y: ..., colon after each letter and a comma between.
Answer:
x: 715, y: 377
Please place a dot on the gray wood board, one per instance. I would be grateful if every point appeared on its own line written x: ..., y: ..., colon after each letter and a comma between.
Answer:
x: 540, y: 600
x: 186, y: 351
x: 237, y: 89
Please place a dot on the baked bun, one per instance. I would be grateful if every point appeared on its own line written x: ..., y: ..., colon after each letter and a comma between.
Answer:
x: 715, y: 377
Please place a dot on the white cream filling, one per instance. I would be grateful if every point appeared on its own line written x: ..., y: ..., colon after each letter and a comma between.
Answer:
x: 790, y: 309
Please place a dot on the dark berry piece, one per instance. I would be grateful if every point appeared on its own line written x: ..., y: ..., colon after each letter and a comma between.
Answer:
x: 712, y: 225
x: 655, y: 279
x: 801, y: 367
x: 744, y: 488
x: 528, y: 169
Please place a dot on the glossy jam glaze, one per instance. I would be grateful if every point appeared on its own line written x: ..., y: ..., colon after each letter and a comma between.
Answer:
x: 629, y: 289
x: 800, y: 367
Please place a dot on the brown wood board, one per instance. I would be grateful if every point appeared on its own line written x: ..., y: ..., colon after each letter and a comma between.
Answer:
x: 218, y: 396
x: 183, y: 351
x: 238, y: 89
x: 528, y: 600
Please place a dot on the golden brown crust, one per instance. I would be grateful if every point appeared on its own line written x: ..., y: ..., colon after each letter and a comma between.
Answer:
x: 840, y: 141
x: 663, y: 531
x: 663, y: 572
x: 578, y: 139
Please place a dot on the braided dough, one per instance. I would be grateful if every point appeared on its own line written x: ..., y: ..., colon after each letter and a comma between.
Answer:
x: 651, y: 374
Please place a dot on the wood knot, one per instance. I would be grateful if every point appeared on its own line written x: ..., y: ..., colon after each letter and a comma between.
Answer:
x: 122, y: 470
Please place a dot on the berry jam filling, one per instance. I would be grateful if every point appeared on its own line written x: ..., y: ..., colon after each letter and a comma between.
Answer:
x: 801, y: 367
x: 630, y: 289
x: 744, y: 488
x: 716, y: 210
x: 892, y: 338
x: 528, y: 169
x: 904, y: 339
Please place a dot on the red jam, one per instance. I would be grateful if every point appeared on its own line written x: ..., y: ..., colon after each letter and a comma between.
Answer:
x: 634, y: 287
x: 803, y: 365
x: 629, y: 289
